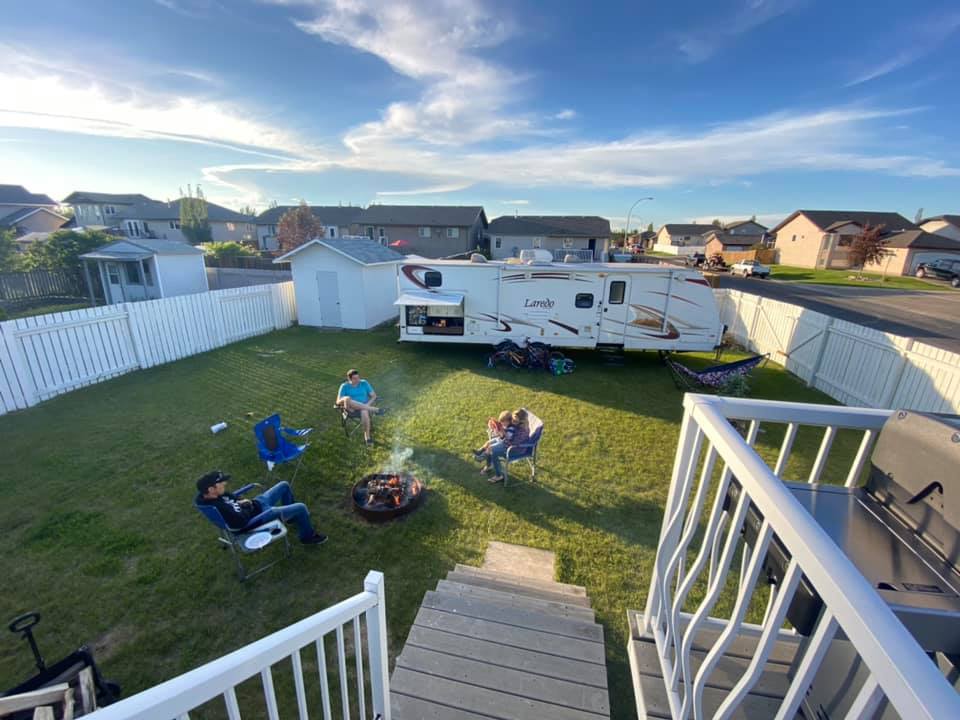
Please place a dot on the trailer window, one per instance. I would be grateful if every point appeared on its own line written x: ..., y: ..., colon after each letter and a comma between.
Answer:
x: 584, y: 300
x: 432, y: 278
x: 617, y: 291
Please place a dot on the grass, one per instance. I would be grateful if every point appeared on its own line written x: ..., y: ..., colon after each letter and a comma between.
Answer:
x: 787, y: 273
x: 100, y: 536
x: 44, y: 309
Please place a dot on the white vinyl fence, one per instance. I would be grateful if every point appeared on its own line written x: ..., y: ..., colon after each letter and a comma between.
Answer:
x: 853, y: 364
x: 47, y: 355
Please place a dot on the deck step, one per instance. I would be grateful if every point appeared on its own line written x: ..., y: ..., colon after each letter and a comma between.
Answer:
x: 516, y: 600
x: 517, y: 586
x: 551, y: 586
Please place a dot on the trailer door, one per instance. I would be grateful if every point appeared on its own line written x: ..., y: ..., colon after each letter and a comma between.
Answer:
x: 613, y: 319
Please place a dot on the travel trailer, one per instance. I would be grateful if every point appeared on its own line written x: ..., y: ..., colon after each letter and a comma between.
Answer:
x: 568, y: 305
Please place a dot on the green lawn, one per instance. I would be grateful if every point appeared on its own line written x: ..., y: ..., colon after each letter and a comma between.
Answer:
x: 848, y: 278
x: 99, y: 534
x: 44, y: 309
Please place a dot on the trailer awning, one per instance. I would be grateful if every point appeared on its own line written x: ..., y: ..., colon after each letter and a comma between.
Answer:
x: 416, y: 297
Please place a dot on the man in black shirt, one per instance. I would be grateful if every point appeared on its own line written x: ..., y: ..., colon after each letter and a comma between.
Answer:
x: 277, y: 503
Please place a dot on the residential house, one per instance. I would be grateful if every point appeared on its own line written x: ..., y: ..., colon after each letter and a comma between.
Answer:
x: 336, y: 220
x: 946, y: 225
x: 644, y: 240
x: 721, y: 241
x: 907, y: 249
x: 587, y: 237
x: 822, y: 238
x: 682, y: 239
x: 744, y: 227
x: 146, y: 268
x: 26, y: 213
x: 427, y: 230
x: 104, y: 210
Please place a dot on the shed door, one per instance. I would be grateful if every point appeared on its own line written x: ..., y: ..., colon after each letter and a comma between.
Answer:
x: 328, y: 291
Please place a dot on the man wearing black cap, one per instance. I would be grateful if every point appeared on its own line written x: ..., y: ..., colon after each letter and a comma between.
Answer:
x: 277, y: 503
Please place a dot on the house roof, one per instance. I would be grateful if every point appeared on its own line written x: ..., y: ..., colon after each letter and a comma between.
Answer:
x: 728, y: 239
x: 23, y: 213
x: 952, y: 219
x: 688, y: 228
x: 361, y: 250
x: 140, y: 248
x: 153, y: 210
x: 824, y: 219
x: 589, y: 226
x: 422, y: 215
x: 19, y: 195
x: 738, y: 223
x: 329, y: 215
x: 920, y: 239
x: 81, y: 196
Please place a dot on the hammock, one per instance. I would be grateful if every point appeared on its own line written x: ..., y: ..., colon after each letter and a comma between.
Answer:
x: 713, y: 377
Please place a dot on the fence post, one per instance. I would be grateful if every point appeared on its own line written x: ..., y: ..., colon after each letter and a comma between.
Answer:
x: 134, y: 336
x: 376, y: 618
x: 888, y: 398
x: 818, y: 355
x: 20, y: 368
x: 751, y: 344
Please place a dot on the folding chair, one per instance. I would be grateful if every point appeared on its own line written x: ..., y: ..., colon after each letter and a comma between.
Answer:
x: 247, y: 542
x: 349, y: 420
x: 525, y: 451
x: 274, y: 446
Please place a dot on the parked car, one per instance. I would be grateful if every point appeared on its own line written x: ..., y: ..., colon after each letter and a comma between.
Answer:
x: 942, y: 269
x: 695, y: 260
x: 750, y: 268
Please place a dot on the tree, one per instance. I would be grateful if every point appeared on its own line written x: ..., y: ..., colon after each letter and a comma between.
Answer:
x: 63, y: 248
x: 248, y: 210
x: 868, y: 247
x: 194, y: 223
x: 716, y: 223
x: 227, y: 249
x: 298, y: 226
x: 753, y: 218
x: 10, y: 258
x: 649, y: 227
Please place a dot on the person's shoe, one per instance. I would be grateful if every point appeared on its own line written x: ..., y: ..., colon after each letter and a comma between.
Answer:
x: 495, y: 479
x: 382, y: 411
x: 478, y: 454
x: 485, y: 469
x: 369, y: 442
x: 315, y: 539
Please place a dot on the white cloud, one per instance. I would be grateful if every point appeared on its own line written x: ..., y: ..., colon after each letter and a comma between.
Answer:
x: 566, y: 114
x: 703, y: 41
x: 514, y: 202
x: 437, y: 189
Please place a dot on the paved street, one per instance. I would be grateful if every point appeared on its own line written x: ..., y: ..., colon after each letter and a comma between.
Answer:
x: 931, y: 317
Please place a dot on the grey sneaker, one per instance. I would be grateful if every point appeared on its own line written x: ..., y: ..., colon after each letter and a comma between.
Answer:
x: 315, y: 539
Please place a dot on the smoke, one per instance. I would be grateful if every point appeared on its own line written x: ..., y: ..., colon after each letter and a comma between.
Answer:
x: 399, y: 457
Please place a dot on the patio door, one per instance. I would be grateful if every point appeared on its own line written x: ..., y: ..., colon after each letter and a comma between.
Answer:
x: 613, y: 318
x: 328, y: 292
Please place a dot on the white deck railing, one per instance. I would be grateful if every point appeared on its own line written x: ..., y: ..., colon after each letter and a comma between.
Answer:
x: 177, y: 697
x: 898, y: 668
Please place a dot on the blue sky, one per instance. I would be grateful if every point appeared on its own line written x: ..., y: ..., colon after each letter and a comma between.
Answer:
x: 716, y: 109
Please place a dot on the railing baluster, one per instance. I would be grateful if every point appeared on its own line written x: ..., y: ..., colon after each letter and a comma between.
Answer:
x: 867, y: 701
x: 269, y: 695
x: 714, y: 554
x: 788, y: 437
x: 809, y: 665
x: 860, y: 459
x: 342, y: 660
x: 358, y: 653
x: 822, y: 454
x: 298, y: 685
x: 791, y: 578
x: 377, y: 647
x: 733, y: 624
x: 233, y: 707
x: 324, y: 681
x: 710, y: 599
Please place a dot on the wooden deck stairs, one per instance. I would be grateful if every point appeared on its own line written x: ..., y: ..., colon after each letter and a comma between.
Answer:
x: 494, y: 644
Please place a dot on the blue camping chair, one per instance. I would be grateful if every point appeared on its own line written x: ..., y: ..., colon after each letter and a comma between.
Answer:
x: 274, y: 444
x: 525, y: 451
x: 248, y: 541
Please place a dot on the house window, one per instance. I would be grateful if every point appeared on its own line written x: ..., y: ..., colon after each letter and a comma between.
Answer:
x: 381, y: 233
x: 272, y: 229
x: 537, y: 242
x: 453, y: 233
x: 432, y: 278
x: 369, y: 232
x: 174, y: 224
x: 331, y: 232
x: 134, y: 228
x: 793, y: 239
x: 113, y: 272
x: 424, y: 232
x: 618, y: 289
x: 584, y: 300
x: 567, y: 243
x: 109, y: 210
x: 497, y: 243
x: 148, y: 273
x: 231, y: 227
x: 133, y: 274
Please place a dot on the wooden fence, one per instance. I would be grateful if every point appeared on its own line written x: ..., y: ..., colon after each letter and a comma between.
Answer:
x: 852, y: 363
x: 42, y: 284
x: 47, y: 355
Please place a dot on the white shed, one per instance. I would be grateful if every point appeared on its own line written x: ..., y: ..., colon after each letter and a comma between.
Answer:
x: 146, y: 268
x: 348, y: 282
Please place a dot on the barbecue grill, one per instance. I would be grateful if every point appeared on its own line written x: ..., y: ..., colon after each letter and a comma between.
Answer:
x: 902, y: 532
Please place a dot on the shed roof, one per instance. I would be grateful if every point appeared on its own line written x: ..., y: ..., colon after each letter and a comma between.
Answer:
x: 361, y: 250
x: 127, y: 249
x: 590, y: 226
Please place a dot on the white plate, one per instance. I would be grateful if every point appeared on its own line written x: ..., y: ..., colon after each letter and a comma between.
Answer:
x: 257, y: 540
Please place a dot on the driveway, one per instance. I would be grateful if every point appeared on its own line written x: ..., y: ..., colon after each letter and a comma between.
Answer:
x: 930, y: 317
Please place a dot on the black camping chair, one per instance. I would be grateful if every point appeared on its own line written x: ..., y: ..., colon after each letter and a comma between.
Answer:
x: 65, y: 670
x: 713, y: 378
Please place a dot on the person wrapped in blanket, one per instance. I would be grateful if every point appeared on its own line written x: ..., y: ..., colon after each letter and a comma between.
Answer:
x: 508, y: 430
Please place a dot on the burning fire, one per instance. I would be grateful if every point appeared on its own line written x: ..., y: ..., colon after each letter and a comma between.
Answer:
x: 386, y: 490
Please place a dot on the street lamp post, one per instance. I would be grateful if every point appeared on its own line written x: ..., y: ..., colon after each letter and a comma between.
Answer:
x: 626, y: 228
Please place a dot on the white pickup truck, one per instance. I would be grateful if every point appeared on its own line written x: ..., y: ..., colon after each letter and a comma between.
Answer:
x: 749, y: 268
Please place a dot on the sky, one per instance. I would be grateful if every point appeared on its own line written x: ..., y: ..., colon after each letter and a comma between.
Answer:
x: 714, y: 109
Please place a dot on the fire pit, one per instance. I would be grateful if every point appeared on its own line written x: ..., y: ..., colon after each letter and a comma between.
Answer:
x: 384, y: 496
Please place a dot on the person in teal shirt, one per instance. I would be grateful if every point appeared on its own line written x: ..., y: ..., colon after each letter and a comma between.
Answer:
x: 357, y: 395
